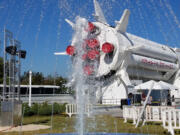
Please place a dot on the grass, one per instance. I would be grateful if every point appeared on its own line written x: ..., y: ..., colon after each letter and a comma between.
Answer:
x: 36, y: 120
x: 100, y: 123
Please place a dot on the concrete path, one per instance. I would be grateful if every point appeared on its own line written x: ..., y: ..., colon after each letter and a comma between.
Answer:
x: 29, y: 127
x: 115, y: 111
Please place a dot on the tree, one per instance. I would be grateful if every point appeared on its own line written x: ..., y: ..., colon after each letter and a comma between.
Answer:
x: 49, y: 80
x: 39, y: 79
x: 25, y: 78
x: 61, y: 82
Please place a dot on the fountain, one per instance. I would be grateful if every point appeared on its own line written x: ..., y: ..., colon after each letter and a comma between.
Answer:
x: 106, y: 59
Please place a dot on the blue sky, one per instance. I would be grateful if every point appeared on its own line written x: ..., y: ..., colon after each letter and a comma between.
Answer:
x: 40, y: 26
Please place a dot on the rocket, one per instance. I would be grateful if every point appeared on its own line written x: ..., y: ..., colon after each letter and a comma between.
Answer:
x: 123, y: 57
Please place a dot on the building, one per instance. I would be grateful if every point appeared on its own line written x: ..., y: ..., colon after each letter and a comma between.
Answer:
x: 42, y: 93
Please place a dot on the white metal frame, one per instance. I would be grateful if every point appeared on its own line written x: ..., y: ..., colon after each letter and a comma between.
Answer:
x: 152, y: 113
x: 111, y: 101
x: 72, y: 109
x: 171, y: 120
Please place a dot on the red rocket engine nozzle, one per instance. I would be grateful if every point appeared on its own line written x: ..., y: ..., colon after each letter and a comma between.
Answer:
x: 70, y: 50
x: 93, y: 54
x: 88, y: 70
x: 107, y: 47
x: 84, y: 56
x: 92, y: 43
x: 91, y: 27
x: 91, y: 49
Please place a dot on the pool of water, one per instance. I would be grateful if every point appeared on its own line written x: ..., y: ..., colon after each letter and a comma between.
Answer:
x: 94, y: 134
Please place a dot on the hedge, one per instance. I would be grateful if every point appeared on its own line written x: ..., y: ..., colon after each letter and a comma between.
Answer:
x: 43, y: 109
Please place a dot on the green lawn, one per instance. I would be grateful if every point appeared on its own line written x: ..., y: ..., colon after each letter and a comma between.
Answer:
x: 100, y: 123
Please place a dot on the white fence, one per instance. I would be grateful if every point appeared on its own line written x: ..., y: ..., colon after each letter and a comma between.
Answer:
x: 168, y: 115
x: 155, y: 113
x: 152, y: 113
x: 171, y: 120
x: 111, y: 101
x: 131, y: 112
x: 72, y: 109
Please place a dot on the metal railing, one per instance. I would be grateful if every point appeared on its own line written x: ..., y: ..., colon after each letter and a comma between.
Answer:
x: 155, y: 113
x: 171, y: 120
x: 72, y: 109
x: 111, y: 101
x: 131, y: 112
x: 152, y: 113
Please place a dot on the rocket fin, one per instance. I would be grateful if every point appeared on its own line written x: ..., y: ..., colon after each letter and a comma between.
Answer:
x: 60, y: 53
x: 70, y: 23
x: 121, y: 25
x: 99, y: 16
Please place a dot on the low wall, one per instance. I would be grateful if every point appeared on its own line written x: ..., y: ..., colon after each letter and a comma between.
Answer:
x: 11, y: 113
x: 39, y: 98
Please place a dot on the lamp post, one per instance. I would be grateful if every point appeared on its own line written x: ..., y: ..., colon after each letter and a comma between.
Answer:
x: 30, y: 83
x: 21, y: 54
x: 7, y: 37
x: 11, y: 52
x: 14, y: 50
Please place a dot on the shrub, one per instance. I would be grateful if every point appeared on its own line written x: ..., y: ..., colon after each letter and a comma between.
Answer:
x: 34, y: 108
x: 59, y: 108
x: 56, y: 108
x: 45, y: 109
x: 26, y: 110
x: 62, y: 108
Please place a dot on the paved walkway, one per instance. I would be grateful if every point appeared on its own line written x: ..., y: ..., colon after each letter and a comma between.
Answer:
x: 30, y: 127
x: 115, y: 111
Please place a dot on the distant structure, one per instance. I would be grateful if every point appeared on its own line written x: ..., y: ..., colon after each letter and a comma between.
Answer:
x: 11, y: 105
x: 12, y: 64
x: 42, y: 93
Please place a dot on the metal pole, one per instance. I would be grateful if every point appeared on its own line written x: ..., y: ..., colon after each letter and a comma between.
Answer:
x: 18, y: 68
x: 12, y: 85
x: 10, y: 63
x: 144, y: 106
x: 7, y: 35
x: 19, y: 73
x: 4, y: 60
x: 13, y: 74
x: 30, y: 81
